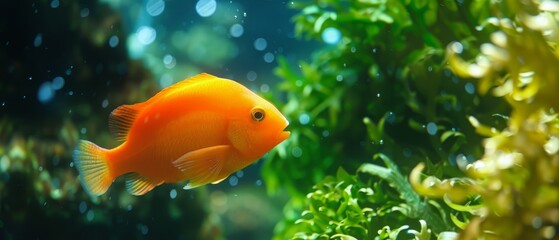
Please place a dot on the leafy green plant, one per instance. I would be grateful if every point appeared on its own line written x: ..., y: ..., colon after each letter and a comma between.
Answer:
x: 380, y: 203
x: 387, y: 70
x: 517, y: 178
x: 385, y: 90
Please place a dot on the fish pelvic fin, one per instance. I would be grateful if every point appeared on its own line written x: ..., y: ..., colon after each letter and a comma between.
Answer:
x: 204, y: 165
x: 137, y: 184
x: 93, y: 167
x: 121, y: 120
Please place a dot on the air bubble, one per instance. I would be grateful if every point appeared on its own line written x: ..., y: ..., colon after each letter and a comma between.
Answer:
x: 297, y: 152
x: 268, y: 57
x: 45, y: 92
x: 90, y: 215
x: 264, y: 88
x: 113, y: 41
x: 432, y: 128
x: 331, y: 35
x: 169, y: 61
x: 105, y: 103
x: 57, y: 83
x: 143, y: 229
x: 233, y: 181
x: 236, y: 30
x: 260, y: 44
x: 251, y: 75
x: 304, y: 119
x: 83, y: 207
x: 457, y: 47
x: 38, y: 40
x: 54, y: 3
x: 206, y: 8
x: 84, y: 12
x: 155, y: 7
x: 146, y: 35
x: 470, y: 88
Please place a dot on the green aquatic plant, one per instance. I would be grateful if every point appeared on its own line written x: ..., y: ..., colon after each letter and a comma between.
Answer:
x: 378, y: 203
x: 386, y: 88
x: 517, y: 178
x: 387, y: 70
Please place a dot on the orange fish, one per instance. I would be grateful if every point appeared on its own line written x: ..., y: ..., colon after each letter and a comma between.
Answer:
x: 201, y: 129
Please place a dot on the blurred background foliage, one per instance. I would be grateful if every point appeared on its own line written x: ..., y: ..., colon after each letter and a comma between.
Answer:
x: 391, y: 86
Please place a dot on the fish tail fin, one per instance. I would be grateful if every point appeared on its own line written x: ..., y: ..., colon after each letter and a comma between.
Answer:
x: 92, y: 164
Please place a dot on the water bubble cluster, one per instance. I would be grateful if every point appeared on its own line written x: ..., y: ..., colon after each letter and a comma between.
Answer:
x: 47, y: 90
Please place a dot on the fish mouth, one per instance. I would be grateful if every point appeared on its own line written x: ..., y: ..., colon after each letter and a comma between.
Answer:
x: 284, y: 134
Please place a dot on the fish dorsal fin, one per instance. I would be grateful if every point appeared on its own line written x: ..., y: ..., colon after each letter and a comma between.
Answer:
x: 121, y: 120
x: 137, y: 184
x: 203, y: 166
x: 191, y: 81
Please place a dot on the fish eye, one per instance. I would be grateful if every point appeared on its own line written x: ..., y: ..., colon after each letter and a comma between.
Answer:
x: 257, y: 114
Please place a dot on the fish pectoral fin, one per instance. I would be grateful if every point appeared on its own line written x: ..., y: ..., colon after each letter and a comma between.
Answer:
x: 194, y: 184
x: 220, y: 180
x: 137, y: 184
x: 202, y: 166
